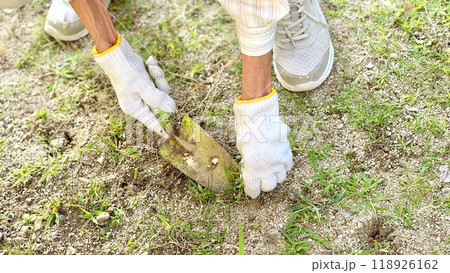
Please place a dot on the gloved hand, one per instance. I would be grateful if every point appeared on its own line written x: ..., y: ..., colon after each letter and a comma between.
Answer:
x: 135, y: 91
x: 261, y: 138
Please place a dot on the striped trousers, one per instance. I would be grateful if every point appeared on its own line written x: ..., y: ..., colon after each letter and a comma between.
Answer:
x: 256, y: 22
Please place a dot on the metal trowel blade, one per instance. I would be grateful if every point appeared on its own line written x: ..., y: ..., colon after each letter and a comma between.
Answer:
x: 196, y: 154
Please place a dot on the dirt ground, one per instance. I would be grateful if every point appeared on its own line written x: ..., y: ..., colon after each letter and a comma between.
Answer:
x: 372, y: 144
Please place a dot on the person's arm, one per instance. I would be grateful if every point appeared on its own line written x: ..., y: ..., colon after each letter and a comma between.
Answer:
x: 256, y: 76
x: 126, y: 70
x: 96, y: 19
x: 260, y: 130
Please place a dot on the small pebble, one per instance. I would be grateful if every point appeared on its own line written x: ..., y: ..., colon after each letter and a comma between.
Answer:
x: 71, y: 251
x: 394, y: 55
x: 413, y: 109
x: 62, y: 218
x: 37, y: 225
x: 101, y: 159
x: 18, y: 240
x: 103, y: 219
x: 445, y: 174
x: 58, y: 143
x: 346, y: 213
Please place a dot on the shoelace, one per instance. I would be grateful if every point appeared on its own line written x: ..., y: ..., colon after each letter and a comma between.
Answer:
x: 289, y: 27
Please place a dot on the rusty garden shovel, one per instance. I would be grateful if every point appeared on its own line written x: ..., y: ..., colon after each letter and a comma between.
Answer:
x: 195, y: 153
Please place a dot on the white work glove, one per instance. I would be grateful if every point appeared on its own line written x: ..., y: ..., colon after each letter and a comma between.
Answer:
x: 261, y: 138
x: 135, y: 91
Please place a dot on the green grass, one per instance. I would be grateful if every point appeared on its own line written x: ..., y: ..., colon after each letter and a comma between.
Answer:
x: 241, y: 239
x: 93, y: 201
x: 1, y: 146
x: 116, y: 139
x: 198, y: 233
x: 202, y: 194
x: 45, y: 170
x: 410, y: 56
x: 204, y: 242
x: 298, y: 232
x: 402, y: 213
x: 407, y: 46
x: 295, y: 144
x: 50, y: 214
x: 423, y: 123
x: 356, y: 192
x: 416, y: 188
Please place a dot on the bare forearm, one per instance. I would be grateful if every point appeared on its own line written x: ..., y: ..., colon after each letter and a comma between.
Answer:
x: 256, y: 76
x: 96, y: 18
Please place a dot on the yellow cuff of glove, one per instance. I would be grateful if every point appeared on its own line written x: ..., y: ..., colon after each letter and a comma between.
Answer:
x: 95, y: 51
x: 239, y: 101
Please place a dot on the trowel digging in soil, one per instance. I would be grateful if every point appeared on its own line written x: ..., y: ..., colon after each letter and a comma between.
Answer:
x: 196, y: 154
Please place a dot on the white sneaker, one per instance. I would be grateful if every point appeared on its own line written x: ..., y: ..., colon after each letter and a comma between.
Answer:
x: 63, y: 23
x: 303, y: 53
x: 12, y: 4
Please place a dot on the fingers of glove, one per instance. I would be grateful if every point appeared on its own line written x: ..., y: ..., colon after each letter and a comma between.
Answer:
x: 138, y: 110
x: 289, y: 162
x: 280, y: 173
x: 162, y: 85
x: 286, y: 159
x: 252, y: 188
x: 148, y: 119
x: 159, y: 100
x: 268, y: 182
x: 158, y: 74
x: 255, y: 182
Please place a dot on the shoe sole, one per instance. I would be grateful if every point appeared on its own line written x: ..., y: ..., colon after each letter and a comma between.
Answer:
x: 310, y: 85
x: 55, y: 34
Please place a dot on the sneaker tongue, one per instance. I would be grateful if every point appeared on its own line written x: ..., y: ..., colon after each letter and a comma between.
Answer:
x: 294, y: 17
x: 294, y: 14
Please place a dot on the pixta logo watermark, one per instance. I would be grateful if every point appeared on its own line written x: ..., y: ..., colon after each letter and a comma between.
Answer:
x: 262, y: 129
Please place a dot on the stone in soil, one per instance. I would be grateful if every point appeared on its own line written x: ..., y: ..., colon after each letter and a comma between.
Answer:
x: 103, y: 219
x: 445, y: 174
